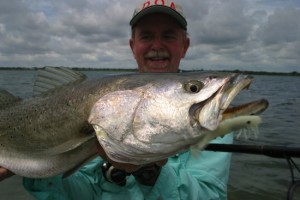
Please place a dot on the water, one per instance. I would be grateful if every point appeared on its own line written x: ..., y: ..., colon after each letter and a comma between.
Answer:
x: 262, y: 177
x: 252, y: 176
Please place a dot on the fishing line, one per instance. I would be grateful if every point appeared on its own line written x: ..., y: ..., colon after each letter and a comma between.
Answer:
x: 272, y: 151
x: 294, y: 183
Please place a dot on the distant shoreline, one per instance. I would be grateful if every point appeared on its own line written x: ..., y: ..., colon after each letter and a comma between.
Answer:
x: 135, y: 70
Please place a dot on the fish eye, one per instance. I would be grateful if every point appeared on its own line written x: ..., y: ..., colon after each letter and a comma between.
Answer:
x: 193, y: 86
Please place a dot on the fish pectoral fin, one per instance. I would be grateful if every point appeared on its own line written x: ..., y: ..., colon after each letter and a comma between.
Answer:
x: 7, y: 99
x: 51, y: 78
x: 68, y: 145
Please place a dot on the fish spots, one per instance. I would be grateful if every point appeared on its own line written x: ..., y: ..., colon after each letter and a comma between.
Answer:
x: 7, y: 99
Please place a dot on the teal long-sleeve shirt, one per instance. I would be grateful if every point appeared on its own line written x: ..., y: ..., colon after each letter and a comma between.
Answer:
x: 197, y: 175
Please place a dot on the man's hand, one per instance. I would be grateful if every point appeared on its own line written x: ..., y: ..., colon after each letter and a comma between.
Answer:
x: 129, y: 168
x: 5, y: 173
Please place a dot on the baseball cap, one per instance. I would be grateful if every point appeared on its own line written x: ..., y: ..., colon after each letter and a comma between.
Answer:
x: 159, y: 6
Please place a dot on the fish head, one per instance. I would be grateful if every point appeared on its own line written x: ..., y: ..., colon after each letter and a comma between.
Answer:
x: 172, y: 110
x: 165, y: 115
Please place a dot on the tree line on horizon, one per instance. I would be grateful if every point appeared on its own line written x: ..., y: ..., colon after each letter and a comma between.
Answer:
x: 294, y: 73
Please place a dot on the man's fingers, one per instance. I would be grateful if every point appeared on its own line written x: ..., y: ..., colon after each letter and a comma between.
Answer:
x: 5, y: 173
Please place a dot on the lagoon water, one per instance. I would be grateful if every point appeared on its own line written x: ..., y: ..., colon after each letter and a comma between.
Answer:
x: 252, y: 177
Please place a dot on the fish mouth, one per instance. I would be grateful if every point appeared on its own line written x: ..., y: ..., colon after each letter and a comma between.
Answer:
x: 251, y: 108
x: 211, y: 113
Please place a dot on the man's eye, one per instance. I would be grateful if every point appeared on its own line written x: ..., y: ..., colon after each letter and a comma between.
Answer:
x: 144, y: 37
x: 170, y: 36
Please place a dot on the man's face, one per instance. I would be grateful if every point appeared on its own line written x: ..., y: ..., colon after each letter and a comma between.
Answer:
x: 158, y: 44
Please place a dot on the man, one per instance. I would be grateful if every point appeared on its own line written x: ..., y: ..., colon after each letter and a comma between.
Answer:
x: 159, y: 41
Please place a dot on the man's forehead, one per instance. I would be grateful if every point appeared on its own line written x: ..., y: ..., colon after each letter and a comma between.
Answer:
x: 148, y: 31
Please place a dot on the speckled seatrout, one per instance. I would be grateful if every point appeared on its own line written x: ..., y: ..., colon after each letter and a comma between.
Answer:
x: 137, y: 118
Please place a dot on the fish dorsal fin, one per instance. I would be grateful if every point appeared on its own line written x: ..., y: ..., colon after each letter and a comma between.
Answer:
x: 50, y: 78
x: 7, y: 99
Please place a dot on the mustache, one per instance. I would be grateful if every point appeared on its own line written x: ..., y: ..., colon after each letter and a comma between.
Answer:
x: 157, y: 54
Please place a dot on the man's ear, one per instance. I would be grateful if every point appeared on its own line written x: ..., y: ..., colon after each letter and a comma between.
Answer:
x: 186, y: 45
x: 131, y: 44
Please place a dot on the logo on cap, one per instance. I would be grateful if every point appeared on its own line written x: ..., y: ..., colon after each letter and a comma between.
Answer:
x: 159, y: 3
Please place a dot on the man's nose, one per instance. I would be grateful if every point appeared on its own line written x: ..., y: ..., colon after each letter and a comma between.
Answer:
x: 157, y: 44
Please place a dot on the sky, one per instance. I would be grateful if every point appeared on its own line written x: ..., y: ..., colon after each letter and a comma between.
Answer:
x: 256, y: 35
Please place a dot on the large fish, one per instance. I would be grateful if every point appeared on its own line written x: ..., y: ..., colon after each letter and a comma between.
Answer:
x: 137, y: 118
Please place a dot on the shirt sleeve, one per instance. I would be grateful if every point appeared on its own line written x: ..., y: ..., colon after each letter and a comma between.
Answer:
x: 83, y: 183
x: 197, y: 175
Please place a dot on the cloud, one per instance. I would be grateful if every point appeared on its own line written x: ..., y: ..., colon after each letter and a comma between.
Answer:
x: 225, y: 23
x: 282, y: 26
x: 241, y: 35
x: 232, y: 34
x: 20, y: 32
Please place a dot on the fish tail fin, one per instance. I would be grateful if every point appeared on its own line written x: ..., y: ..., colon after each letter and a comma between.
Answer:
x: 247, y: 132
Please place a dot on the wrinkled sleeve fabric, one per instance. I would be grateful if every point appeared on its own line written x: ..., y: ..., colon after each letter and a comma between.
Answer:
x: 193, y: 176
x: 81, y: 185
x: 87, y: 183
